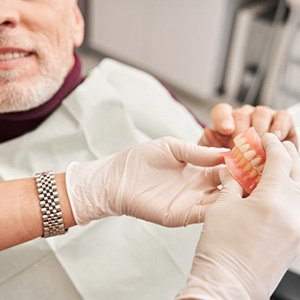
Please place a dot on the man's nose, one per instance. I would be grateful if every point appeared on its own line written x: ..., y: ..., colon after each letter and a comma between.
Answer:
x: 9, y: 16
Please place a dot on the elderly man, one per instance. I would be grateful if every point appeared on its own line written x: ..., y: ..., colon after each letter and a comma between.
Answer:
x: 50, y: 117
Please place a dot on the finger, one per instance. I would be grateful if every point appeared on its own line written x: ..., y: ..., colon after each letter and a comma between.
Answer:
x: 194, y: 154
x: 222, y: 118
x: 230, y: 187
x: 226, y: 141
x: 203, y: 140
x: 282, y: 124
x: 211, y: 198
x: 197, y: 211
x: 197, y: 214
x: 291, y: 149
x: 292, y: 137
x: 278, y: 161
x: 261, y: 119
x: 215, y: 175
x: 209, y: 139
x: 242, y: 118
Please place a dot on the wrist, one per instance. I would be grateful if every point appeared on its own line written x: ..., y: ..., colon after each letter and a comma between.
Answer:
x: 88, y: 190
x: 22, y: 220
x: 55, y: 212
x: 66, y: 209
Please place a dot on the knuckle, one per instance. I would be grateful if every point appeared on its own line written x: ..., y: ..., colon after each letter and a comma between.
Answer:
x: 288, y: 144
x: 222, y: 105
x: 247, y: 107
x: 262, y: 110
x: 282, y: 112
x: 239, y: 113
x: 261, y: 107
x: 283, y: 116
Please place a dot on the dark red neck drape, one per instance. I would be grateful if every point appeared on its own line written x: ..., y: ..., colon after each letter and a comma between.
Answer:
x: 15, y: 124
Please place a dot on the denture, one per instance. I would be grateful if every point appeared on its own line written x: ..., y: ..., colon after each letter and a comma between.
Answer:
x: 246, y: 160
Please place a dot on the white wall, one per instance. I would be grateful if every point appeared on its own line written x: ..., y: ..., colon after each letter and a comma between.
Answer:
x: 182, y: 42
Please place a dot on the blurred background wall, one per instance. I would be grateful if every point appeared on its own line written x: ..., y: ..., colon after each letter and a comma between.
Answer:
x: 239, y: 51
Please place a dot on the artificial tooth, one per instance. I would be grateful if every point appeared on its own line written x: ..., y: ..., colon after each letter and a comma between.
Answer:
x: 238, y: 155
x: 239, y: 136
x: 260, y: 168
x: 247, y: 167
x: 253, y: 173
x: 235, y: 150
x: 243, y: 161
x: 250, y: 154
x: 239, y: 142
x: 256, y: 161
x: 245, y: 148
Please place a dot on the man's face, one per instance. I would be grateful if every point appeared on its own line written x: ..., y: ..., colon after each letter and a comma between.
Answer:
x: 37, y: 42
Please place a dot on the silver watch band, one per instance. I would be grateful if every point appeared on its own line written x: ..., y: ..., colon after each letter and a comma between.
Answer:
x: 50, y: 207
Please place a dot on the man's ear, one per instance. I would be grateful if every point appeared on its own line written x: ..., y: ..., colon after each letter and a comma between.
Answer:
x: 78, y: 26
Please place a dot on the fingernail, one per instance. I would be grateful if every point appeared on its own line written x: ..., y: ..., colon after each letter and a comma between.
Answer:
x: 227, y: 124
x: 278, y: 134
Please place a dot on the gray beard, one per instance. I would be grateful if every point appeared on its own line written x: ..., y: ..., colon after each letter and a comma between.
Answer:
x: 15, y: 97
x: 20, y: 95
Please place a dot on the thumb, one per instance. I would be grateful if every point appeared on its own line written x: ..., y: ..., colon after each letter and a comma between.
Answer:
x: 209, y: 139
x: 278, y: 161
x: 194, y: 154
x: 230, y: 187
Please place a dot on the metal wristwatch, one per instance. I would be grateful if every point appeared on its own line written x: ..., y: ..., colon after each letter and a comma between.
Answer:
x: 50, y: 206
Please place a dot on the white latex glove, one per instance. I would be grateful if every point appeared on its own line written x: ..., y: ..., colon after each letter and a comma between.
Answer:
x: 155, y: 181
x: 247, y: 244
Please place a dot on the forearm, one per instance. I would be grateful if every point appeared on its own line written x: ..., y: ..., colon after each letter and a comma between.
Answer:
x: 20, y: 212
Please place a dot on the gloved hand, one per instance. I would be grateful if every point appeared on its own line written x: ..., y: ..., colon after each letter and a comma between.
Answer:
x: 247, y: 244
x: 159, y: 181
